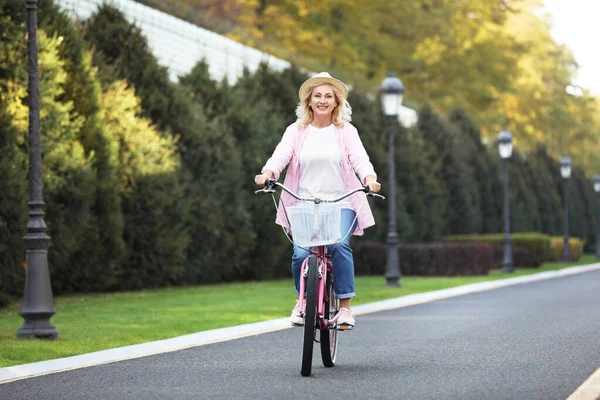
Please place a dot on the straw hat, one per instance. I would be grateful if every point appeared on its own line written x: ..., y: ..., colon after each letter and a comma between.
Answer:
x: 322, y: 78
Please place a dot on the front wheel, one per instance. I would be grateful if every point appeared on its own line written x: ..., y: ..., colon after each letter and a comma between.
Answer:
x: 329, y: 337
x: 310, y: 315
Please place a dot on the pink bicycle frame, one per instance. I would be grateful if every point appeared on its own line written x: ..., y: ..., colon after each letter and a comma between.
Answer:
x: 319, y: 251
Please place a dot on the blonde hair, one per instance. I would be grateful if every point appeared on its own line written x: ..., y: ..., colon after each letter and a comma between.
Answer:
x: 342, y: 113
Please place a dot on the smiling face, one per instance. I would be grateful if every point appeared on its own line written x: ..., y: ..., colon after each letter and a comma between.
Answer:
x: 322, y: 101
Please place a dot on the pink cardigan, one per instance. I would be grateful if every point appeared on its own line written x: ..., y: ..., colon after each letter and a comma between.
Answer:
x: 354, y: 161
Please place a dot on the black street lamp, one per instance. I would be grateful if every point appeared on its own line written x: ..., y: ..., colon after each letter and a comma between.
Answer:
x: 505, y: 150
x: 565, y: 172
x: 391, y: 92
x: 38, y: 304
x: 597, y: 190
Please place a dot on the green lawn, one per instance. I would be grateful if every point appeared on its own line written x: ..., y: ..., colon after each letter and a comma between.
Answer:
x: 95, y: 322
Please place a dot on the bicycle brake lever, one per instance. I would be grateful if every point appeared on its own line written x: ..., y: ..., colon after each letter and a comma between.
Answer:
x: 376, y: 195
x: 372, y: 194
x: 264, y: 191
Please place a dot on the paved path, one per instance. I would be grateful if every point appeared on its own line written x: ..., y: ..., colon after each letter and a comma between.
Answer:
x: 537, y: 340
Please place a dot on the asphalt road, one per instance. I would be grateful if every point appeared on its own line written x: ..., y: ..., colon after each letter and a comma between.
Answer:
x: 539, y: 340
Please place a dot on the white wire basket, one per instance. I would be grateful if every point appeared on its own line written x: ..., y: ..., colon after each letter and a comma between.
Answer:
x: 315, y: 224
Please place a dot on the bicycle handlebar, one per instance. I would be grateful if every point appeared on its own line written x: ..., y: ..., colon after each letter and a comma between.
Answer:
x: 270, y: 185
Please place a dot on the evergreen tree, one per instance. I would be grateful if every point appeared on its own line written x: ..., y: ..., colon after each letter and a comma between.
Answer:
x: 79, y: 93
x: 582, y: 208
x: 476, y: 155
x: 68, y: 176
x: 13, y: 207
x: 368, y: 120
x: 258, y: 122
x: 425, y: 194
x: 84, y: 90
x: 13, y: 161
x: 222, y: 233
x: 213, y: 96
x: 152, y: 193
x: 218, y: 225
x: 581, y: 205
x: 549, y: 201
x: 462, y: 216
x: 524, y: 214
x: 535, y: 179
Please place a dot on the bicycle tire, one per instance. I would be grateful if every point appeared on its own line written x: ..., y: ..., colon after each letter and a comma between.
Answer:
x: 310, y: 315
x: 329, y: 337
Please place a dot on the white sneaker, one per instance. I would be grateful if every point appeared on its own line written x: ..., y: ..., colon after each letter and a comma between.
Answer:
x: 297, y: 317
x: 344, y: 319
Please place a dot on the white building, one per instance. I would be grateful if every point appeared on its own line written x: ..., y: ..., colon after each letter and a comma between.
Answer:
x: 179, y: 45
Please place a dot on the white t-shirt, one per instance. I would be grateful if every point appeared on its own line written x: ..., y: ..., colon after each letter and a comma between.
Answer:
x: 320, y: 170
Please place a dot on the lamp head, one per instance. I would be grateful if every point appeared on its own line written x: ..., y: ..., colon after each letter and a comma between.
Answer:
x: 505, y: 144
x: 391, y: 91
x: 565, y: 167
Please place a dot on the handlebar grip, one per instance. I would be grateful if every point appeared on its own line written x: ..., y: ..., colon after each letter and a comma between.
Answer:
x: 270, y: 183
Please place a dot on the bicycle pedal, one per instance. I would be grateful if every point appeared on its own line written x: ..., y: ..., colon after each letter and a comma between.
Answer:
x: 344, y: 327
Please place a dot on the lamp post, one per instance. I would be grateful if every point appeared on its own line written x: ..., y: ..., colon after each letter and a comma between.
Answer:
x: 505, y: 150
x: 38, y: 304
x: 597, y: 190
x: 391, y: 92
x: 565, y: 172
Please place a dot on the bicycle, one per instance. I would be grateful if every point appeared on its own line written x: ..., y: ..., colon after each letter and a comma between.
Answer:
x: 316, y: 229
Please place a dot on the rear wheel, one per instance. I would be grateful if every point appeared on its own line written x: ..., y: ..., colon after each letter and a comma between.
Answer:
x: 329, y: 337
x: 310, y: 316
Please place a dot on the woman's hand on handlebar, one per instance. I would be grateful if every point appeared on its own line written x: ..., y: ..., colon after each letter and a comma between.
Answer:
x: 261, y: 179
x: 372, y: 184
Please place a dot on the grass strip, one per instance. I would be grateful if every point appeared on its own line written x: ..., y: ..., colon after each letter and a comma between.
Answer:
x: 93, y: 322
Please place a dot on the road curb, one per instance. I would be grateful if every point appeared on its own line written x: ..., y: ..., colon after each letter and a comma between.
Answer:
x: 18, y: 372
x: 589, y: 390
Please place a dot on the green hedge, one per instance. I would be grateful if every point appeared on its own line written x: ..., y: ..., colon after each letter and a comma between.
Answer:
x: 522, y: 258
x: 426, y: 259
x: 538, y: 243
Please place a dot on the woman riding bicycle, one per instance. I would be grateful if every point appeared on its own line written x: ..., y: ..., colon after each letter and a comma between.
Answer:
x: 325, y: 158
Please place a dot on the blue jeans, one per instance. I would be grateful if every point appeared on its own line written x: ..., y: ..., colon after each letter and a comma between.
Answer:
x: 341, y: 258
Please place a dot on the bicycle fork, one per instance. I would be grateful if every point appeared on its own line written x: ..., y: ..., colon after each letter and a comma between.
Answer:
x: 322, y: 295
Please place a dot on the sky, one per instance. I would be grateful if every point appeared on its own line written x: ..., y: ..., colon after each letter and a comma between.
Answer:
x: 576, y: 24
